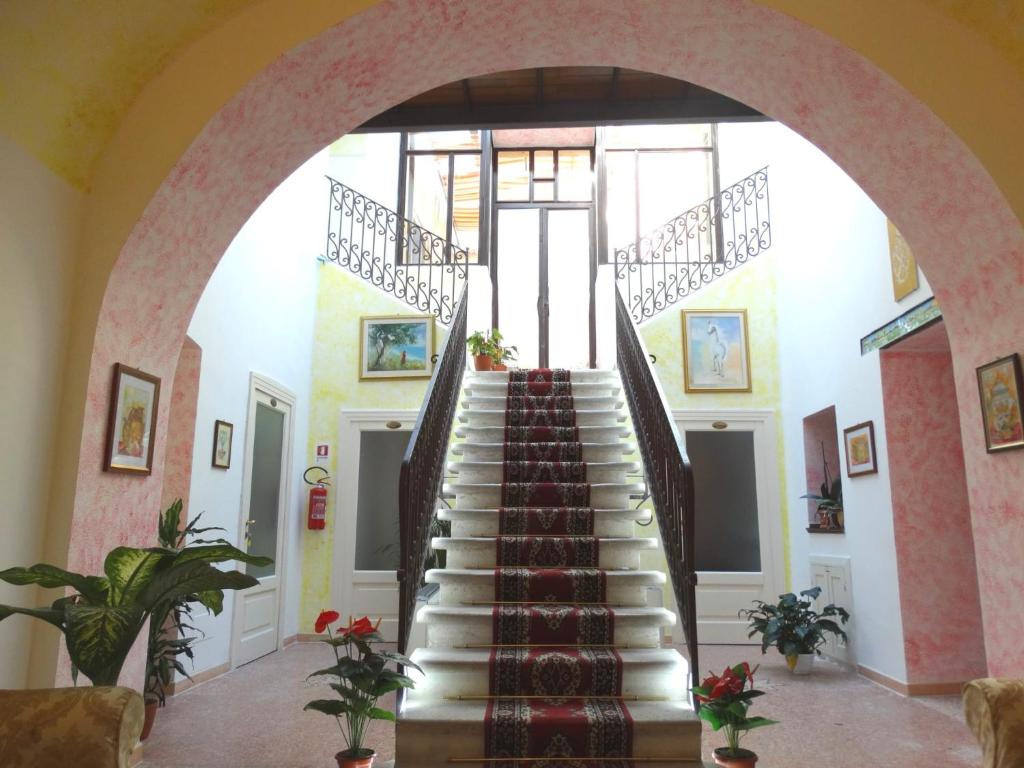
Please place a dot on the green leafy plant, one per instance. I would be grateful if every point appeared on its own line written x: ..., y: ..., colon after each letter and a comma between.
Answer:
x: 360, y: 677
x: 104, y: 614
x: 480, y: 343
x: 724, y: 701
x: 830, y: 497
x: 792, y: 625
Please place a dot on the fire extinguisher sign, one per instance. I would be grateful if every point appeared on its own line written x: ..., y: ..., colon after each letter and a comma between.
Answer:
x: 323, y: 453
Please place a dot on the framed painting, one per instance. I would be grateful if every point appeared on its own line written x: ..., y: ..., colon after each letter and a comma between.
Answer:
x: 131, y: 424
x: 223, y: 432
x: 396, y: 347
x: 903, y: 264
x: 860, y: 449
x: 1001, y: 385
x: 716, y: 351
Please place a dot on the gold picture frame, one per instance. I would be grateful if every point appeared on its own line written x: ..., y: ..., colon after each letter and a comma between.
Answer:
x: 1001, y: 388
x: 396, y: 347
x: 902, y: 263
x: 131, y: 421
x: 716, y: 351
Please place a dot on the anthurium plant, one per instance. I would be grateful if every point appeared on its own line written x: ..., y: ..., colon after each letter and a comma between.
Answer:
x: 792, y: 625
x: 360, y: 676
x: 724, y: 701
x: 103, y: 615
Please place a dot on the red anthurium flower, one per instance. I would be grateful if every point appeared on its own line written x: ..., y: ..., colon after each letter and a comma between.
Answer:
x: 360, y: 627
x: 324, y: 620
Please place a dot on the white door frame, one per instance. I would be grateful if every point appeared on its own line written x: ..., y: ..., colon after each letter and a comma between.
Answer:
x: 266, y: 385
x: 351, y: 424
x: 772, y: 579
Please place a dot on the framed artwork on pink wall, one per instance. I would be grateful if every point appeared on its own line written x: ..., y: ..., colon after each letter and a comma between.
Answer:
x: 1000, y: 386
x: 860, y: 449
x: 131, y: 423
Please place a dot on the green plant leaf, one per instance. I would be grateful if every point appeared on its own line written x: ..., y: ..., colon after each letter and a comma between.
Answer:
x: 192, y: 577
x: 757, y: 722
x: 99, y: 638
x: 334, y: 707
x: 218, y: 553
x: 708, y: 715
x: 53, y: 616
x: 212, y: 600
x: 129, y: 570
x: 93, y: 588
x: 376, y: 713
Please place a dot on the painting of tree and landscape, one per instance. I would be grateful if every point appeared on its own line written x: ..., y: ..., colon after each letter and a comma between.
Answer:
x: 396, y: 347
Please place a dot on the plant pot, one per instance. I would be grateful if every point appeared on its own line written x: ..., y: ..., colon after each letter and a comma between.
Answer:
x: 147, y: 724
x: 743, y: 758
x: 499, y: 367
x: 800, y: 664
x: 483, y: 362
x: 363, y: 759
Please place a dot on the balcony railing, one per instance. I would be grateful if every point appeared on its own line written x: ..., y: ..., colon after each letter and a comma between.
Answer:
x: 395, y: 254
x: 695, y: 247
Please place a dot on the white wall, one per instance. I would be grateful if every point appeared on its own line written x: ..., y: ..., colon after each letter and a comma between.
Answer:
x: 257, y: 315
x: 39, y: 217
x: 834, y: 288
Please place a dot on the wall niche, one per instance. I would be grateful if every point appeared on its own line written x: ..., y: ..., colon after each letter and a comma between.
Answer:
x: 823, y: 472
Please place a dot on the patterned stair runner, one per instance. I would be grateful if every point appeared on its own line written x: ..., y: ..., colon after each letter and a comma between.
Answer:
x: 554, y: 668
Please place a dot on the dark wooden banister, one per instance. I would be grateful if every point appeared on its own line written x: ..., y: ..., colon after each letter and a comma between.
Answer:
x: 423, y: 467
x: 669, y: 476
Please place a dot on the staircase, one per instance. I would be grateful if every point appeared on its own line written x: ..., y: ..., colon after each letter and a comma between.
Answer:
x: 540, y: 642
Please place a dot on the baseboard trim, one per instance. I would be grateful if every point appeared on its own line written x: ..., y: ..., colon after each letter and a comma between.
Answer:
x: 950, y: 688
x: 301, y: 638
x: 180, y: 686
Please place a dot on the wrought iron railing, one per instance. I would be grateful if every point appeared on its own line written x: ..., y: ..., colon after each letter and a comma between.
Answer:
x: 695, y: 247
x: 423, y: 467
x: 668, y: 472
x: 395, y: 254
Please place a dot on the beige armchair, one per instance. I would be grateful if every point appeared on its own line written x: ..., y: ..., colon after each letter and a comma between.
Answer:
x: 83, y: 727
x: 995, y: 715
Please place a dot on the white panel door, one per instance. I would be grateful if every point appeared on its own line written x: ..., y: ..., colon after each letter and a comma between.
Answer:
x: 265, y: 493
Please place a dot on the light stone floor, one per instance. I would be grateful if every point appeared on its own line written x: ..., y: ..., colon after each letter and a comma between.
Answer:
x: 252, y: 718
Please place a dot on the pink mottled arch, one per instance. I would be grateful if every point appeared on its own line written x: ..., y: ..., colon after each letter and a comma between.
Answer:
x: 959, y: 225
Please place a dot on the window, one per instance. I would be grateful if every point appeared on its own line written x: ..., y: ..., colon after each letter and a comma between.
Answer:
x: 545, y: 175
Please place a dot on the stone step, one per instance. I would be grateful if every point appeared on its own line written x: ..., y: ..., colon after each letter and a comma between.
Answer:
x: 484, y: 522
x: 583, y: 375
x: 460, y: 625
x: 587, y: 434
x: 477, y: 418
x: 430, y: 732
x: 496, y: 451
x: 469, y: 586
x: 488, y: 495
x: 579, y: 402
x: 482, y: 388
x: 613, y: 554
x: 648, y: 673
x: 494, y: 471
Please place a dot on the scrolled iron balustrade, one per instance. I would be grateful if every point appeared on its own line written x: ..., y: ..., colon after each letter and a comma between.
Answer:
x: 423, y: 467
x: 395, y: 254
x: 669, y: 478
x: 681, y: 256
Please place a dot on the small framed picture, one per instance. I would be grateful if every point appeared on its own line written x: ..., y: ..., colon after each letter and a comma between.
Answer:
x: 131, y: 424
x: 860, y: 449
x: 396, y: 347
x: 716, y: 352
x: 1000, y: 386
x: 223, y: 431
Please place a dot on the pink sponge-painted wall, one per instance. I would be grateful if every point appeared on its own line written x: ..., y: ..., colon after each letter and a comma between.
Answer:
x: 963, y: 232
x: 181, y: 427
x: 943, y: 636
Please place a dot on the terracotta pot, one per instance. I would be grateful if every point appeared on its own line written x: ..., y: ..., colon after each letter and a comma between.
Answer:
x: 800, y: 664
x: 483, y: 362
x: 743, y: 758
x: 147, y: 724
x: 499, y: 367
x: 362, y: 761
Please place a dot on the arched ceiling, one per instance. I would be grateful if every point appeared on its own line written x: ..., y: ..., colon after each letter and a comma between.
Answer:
x: 70, y: 71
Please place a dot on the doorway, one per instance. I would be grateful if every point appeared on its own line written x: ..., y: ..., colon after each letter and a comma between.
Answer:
x: 265, y: 493
x: 544, y: 254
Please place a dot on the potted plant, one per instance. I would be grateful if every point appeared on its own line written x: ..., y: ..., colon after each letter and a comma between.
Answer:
x: 482, y: 349
x: 360, y: 677
x: 502, y: 353
x: 830, y: 499
x: 102, y: 616
x: 724, y: 700
x: 794, y: 627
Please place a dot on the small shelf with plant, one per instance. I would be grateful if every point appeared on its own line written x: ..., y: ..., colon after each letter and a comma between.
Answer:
x: 829, y: 500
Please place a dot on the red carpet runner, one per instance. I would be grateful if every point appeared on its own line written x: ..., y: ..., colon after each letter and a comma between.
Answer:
x: 550, y: 595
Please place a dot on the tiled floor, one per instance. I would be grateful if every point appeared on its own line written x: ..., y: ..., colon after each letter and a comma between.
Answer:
x: 253, y: 718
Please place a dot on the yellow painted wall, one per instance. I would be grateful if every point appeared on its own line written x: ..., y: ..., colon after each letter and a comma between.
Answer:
x: 341, y: 300
x: 751, y: 287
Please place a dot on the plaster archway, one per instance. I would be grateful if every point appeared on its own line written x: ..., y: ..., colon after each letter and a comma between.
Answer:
x: 959, y: 225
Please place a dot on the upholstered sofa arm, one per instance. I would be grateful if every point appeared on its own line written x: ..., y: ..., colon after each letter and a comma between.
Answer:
x: 83, y: 727
x: 995, y: 715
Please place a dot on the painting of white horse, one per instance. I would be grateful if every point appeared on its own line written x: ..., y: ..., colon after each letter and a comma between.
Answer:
x: 716, y: 353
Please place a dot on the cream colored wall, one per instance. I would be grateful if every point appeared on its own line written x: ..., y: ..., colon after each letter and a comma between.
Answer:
x: 751, y: 287
x: 39, y: 220
x: 342, y: 299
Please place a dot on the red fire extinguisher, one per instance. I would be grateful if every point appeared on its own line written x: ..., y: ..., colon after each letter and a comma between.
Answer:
x: 316, y: 519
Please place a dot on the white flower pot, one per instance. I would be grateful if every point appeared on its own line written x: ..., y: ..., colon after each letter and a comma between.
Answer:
x: 801, y: 664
